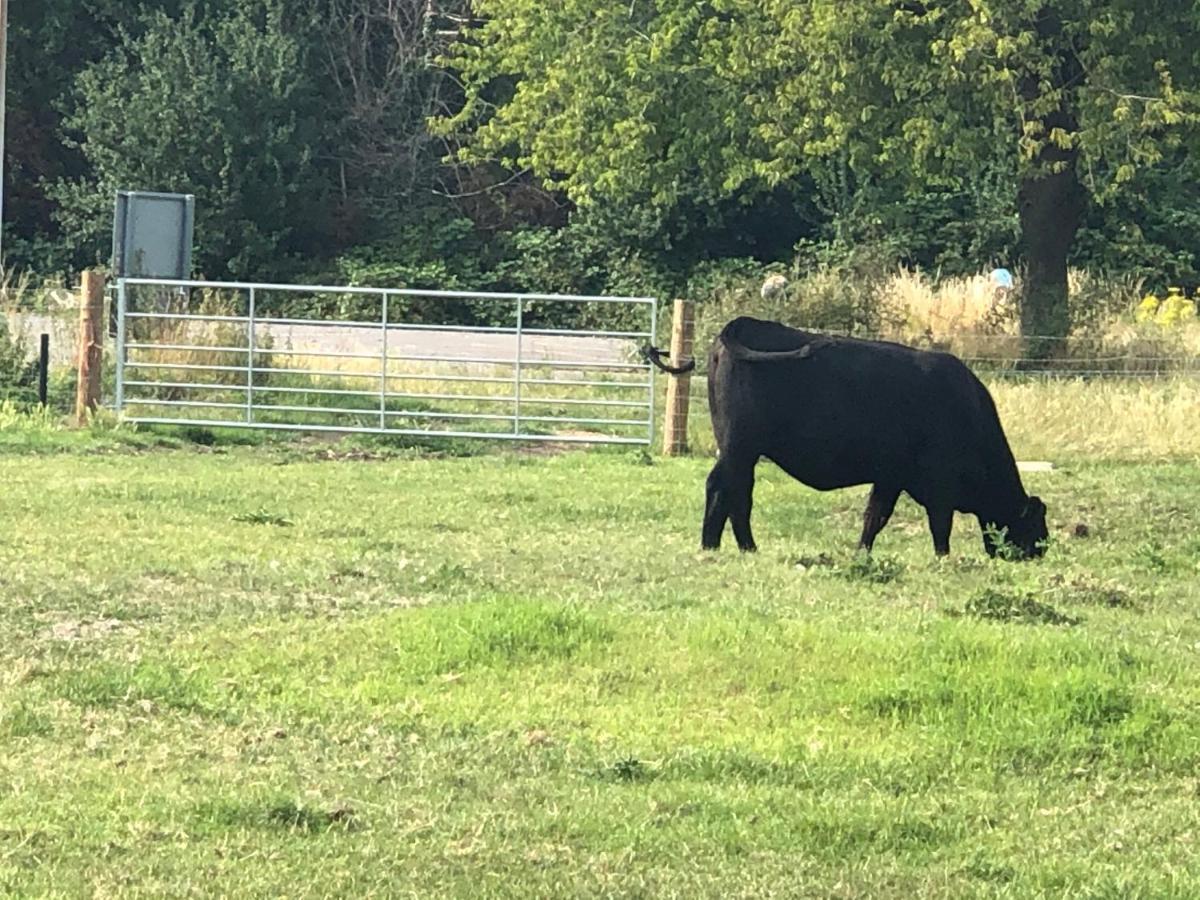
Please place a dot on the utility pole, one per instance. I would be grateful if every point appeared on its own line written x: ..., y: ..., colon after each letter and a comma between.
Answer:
x: 3, y: 104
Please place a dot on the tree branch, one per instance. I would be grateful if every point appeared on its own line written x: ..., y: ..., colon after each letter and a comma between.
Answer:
x: 484, y: 190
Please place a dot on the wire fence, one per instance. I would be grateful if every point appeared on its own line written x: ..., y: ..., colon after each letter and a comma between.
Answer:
x: 302, y: 367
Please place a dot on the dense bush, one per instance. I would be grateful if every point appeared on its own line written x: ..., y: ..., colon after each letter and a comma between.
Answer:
x: 18, y: 374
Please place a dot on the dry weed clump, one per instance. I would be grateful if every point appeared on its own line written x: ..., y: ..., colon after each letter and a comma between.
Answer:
x: 215, y: 345
x: 939, y: 310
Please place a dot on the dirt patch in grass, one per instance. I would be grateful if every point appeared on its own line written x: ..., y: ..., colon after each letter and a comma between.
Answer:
x: 71, y: 630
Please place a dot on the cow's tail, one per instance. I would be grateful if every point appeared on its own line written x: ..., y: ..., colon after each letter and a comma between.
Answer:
x: 654, y: 356
x: 738, y: 351
x: 746, y: 354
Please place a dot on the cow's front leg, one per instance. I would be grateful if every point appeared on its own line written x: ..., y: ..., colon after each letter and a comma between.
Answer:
x: 941, y: 520
x: 879, y: 509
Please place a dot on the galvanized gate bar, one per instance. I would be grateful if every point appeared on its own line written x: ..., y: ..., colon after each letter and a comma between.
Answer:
x: 405, y: 292
x: 517, y: 373
x: 182, y: 364
x: 250, y: 363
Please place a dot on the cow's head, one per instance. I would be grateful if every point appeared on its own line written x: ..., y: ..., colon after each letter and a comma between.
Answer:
x: 1027, y: 533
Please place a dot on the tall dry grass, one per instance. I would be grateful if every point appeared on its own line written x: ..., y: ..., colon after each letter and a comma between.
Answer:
x: 14, y: 286
x: 1100, y: 418
x: 922, y: 306
x: 206, y: 339
x: 967, y: 316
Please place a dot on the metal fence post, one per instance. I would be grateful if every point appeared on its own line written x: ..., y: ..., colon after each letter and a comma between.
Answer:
x: 517, y: 375
x: 43, y: 368
x: 122, y: 301
x: 383, y: 375
x: 250, y: 361
x: 651, y: 372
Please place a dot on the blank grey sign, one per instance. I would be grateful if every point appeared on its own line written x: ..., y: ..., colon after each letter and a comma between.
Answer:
x: 152, y: 235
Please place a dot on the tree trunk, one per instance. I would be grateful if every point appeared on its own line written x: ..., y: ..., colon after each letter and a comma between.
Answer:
x: 1050, y: 198
x: 1051, y: 207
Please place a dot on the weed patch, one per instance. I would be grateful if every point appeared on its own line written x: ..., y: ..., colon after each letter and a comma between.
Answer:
x: 871, y: 568
x: 264, y: 517
x: 283, y: 814
x: 1000, y: 606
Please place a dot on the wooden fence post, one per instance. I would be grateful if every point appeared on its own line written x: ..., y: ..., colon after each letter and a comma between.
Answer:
x: 91, y: 344
x: 679, y: 387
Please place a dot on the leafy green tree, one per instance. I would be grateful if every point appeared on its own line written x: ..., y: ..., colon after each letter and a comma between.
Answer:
x: 217, y: 103
x: 659, y: 98
x: 50, y: 43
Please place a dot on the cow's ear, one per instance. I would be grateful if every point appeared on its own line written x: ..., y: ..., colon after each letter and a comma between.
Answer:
x: 1035, y: 506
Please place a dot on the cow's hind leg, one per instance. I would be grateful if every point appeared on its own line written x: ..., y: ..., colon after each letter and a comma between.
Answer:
x: 716, y: 508
x: 739, y: 486
x: 941, y: 520
x: 879, y: 509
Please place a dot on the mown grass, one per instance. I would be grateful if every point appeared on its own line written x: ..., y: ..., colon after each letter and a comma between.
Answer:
x: 306, y: 670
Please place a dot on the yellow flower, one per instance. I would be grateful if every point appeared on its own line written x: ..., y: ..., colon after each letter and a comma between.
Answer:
x: 1175, y: 309
x: 1147, y: 308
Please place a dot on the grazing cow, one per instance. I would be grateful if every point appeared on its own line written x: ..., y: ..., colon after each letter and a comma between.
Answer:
x: 834, y: 412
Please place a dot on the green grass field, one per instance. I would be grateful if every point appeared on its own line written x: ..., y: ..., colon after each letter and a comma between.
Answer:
x: 312, y: 671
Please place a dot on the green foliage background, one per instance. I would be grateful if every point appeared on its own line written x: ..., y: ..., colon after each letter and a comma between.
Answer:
x: 656, y: 144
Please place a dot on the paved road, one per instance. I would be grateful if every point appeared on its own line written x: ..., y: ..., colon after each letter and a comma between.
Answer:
x: 458, y: 345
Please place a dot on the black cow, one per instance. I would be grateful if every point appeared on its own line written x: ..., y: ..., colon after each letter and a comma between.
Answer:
x: 834, y: 412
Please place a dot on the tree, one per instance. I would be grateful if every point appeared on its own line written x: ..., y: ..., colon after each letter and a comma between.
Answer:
x: 47, y: 41
x: 660, y: 97
x: 50, y: 43
x: 382, y: 85
x: 220, y: 104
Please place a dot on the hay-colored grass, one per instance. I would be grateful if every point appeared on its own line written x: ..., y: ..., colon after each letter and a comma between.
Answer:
x: 1145, y: 419
x: 947, y: 307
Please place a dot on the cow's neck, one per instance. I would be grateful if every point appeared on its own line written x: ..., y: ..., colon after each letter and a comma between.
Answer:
x: 1005, y: 494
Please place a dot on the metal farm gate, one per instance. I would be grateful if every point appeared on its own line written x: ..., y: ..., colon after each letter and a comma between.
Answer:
x: 527, y: 367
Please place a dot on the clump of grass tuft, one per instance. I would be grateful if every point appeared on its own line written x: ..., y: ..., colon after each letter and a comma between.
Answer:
x: 1088, y: 591
x: 627, y: 769
x: 999, y: 606
x: 1150, y: 556
x: 264, y: 517
x: 114, y: 685
x: 28, y: 421
x: 23, y: 720
x: 872, y: 568
x: 285, y: 814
